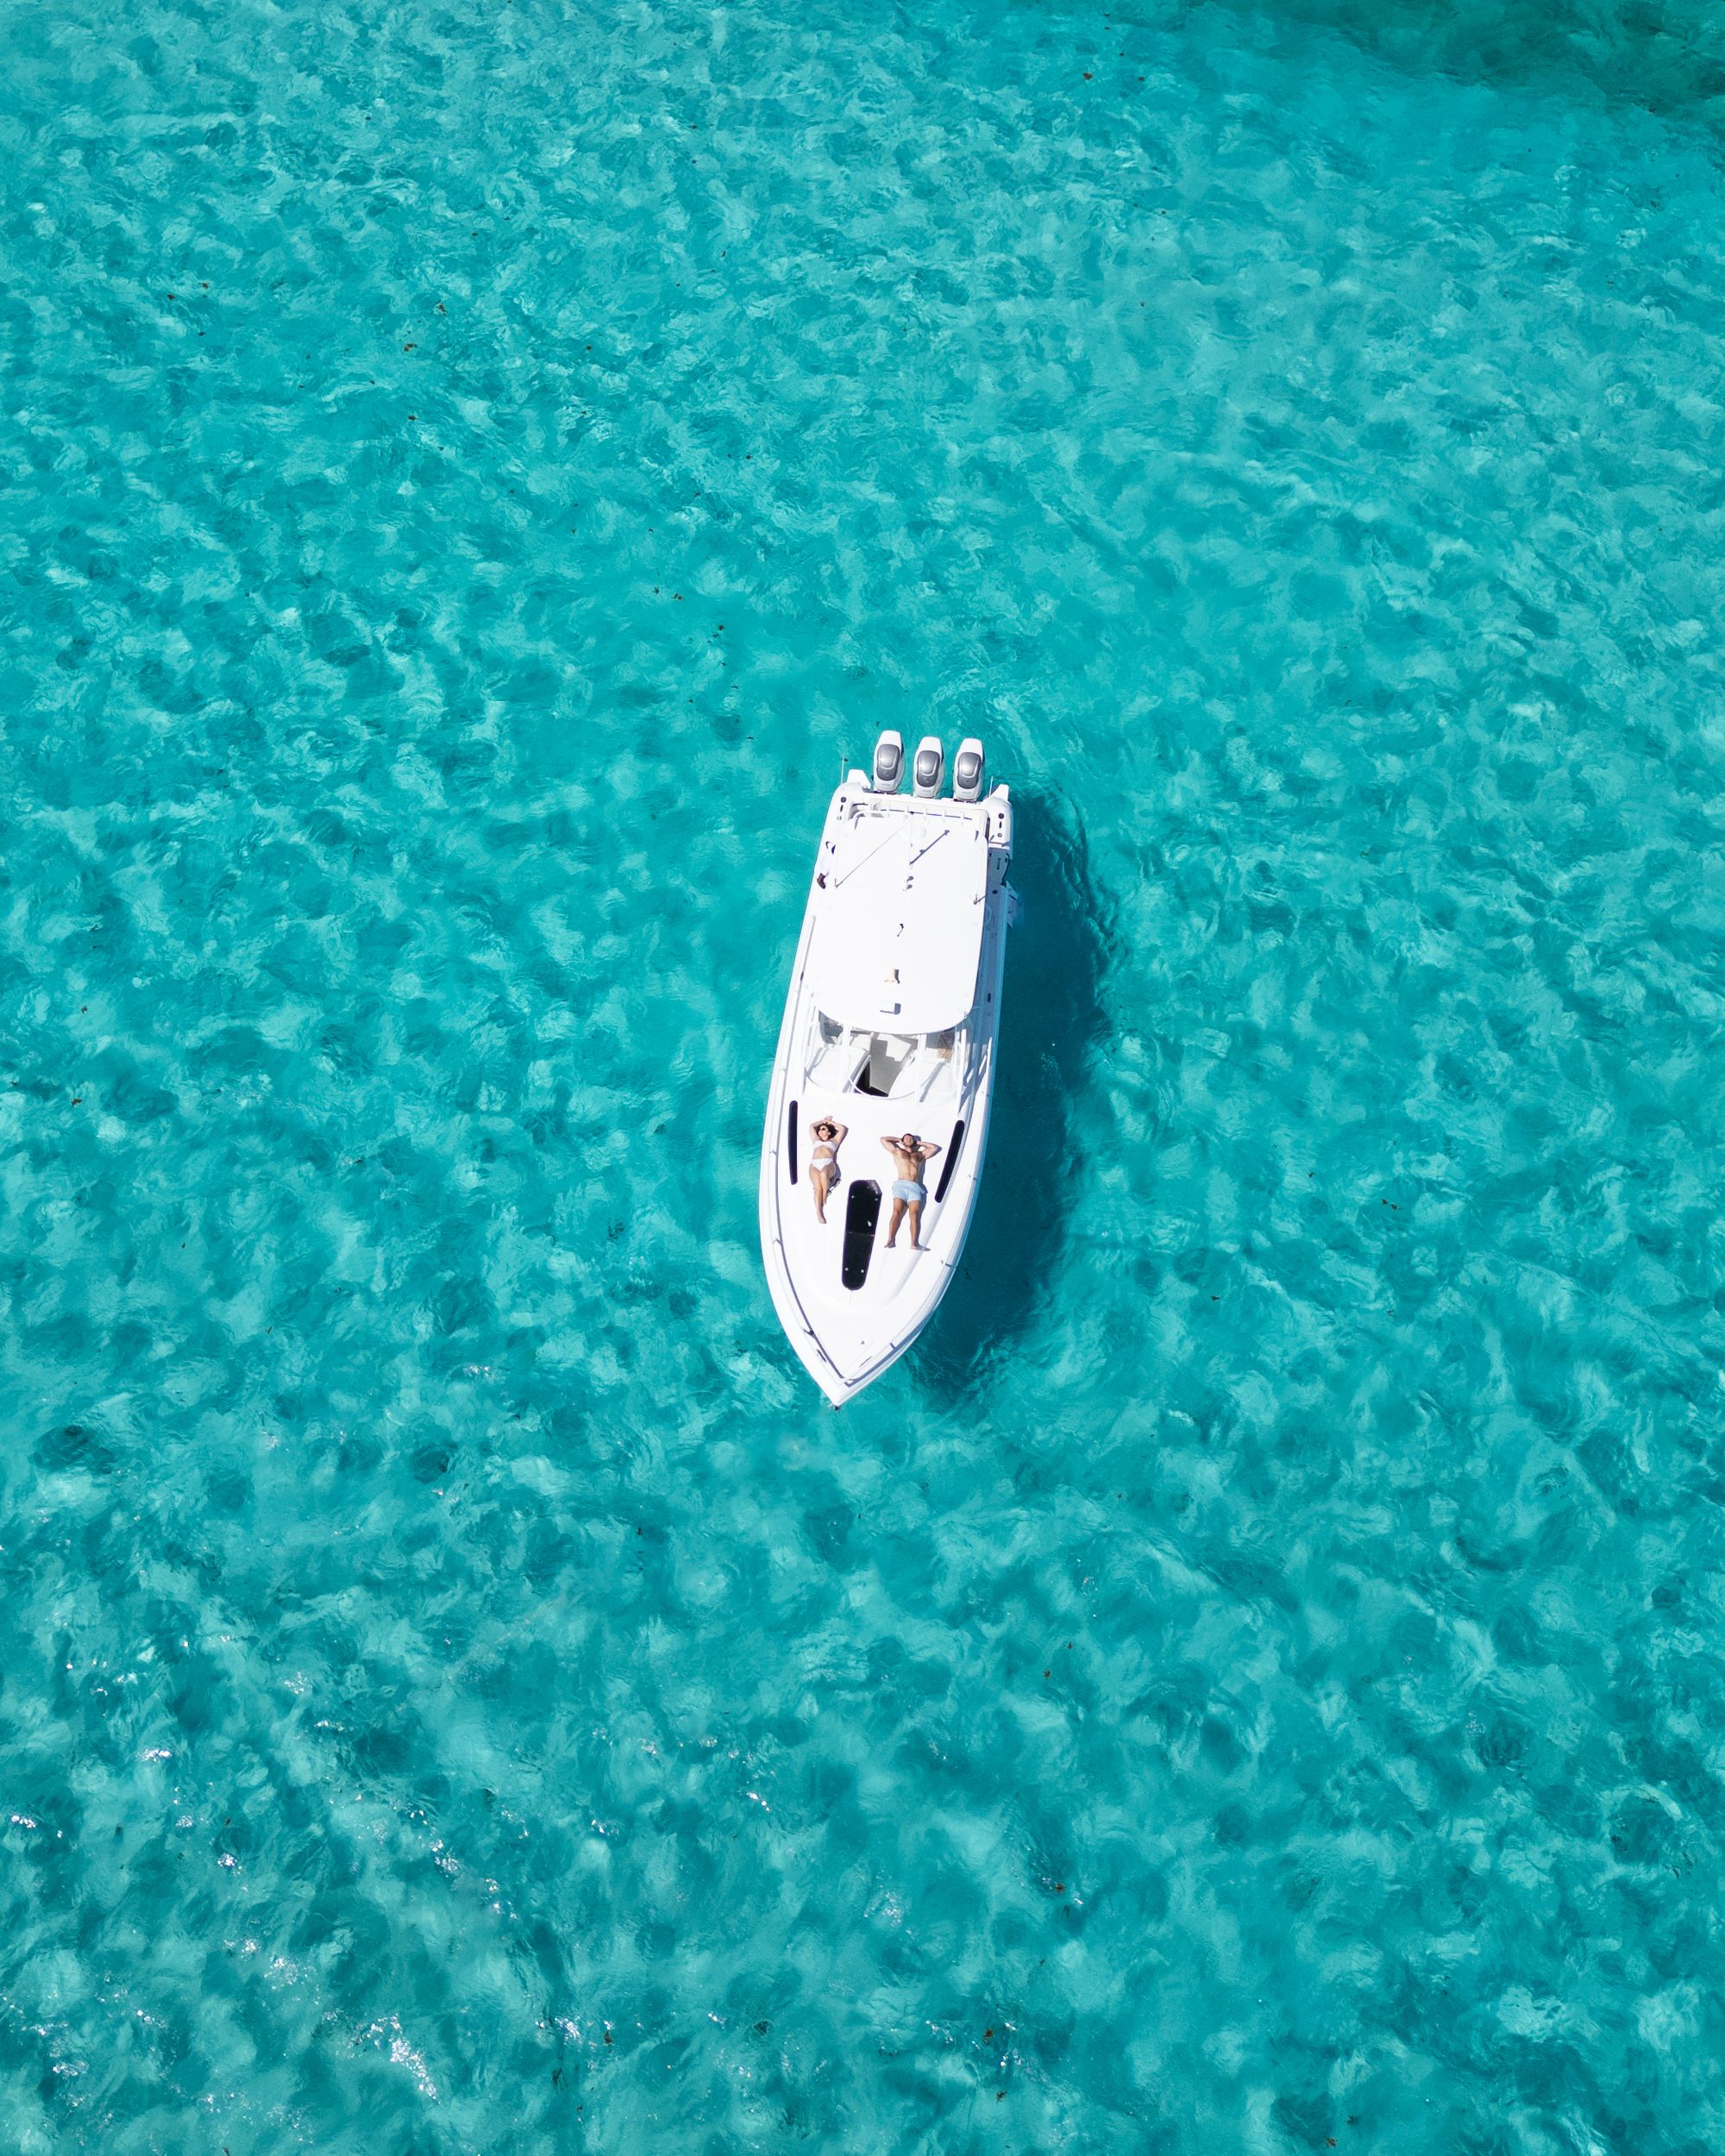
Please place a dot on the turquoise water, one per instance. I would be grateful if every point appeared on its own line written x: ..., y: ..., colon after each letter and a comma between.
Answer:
x: 1253, y: 1679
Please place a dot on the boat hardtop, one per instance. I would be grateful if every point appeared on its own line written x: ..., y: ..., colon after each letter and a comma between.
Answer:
x: 889, y: 1035
x: 898, y: 933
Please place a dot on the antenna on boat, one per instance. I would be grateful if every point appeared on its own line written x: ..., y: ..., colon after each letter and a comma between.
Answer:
x: 889, y: 762
x: 930, y: 756
x: 966, y: 770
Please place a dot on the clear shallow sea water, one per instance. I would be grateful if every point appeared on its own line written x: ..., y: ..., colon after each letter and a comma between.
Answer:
x: 1252, y: 1680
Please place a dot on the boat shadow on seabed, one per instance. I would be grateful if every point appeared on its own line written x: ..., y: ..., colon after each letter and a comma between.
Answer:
x: 1052, y: 1019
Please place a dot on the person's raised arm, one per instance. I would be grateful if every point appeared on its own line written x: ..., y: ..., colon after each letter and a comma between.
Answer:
x: 838, y: 1130
x: 929, y: 1151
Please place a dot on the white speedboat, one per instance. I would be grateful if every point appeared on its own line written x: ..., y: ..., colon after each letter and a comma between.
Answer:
x: 889, y: 1034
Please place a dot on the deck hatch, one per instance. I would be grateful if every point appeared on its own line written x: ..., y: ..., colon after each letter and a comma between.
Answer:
x: 862, y: 1216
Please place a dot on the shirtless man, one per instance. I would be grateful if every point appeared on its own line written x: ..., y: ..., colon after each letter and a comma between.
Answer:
x: 910, y: 1194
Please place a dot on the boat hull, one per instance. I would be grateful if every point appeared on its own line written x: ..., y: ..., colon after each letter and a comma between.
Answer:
x: 851, y: 1302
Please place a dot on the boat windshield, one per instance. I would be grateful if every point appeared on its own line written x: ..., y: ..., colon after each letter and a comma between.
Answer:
x: 886, y: 1066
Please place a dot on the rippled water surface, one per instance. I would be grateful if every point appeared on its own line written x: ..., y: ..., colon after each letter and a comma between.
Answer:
x: 1252, y: 1680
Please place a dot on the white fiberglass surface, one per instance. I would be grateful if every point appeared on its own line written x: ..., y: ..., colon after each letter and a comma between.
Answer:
x: 900, y: 926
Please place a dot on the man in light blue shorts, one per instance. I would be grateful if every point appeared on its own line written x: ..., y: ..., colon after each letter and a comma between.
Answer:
x: 910, y: 1194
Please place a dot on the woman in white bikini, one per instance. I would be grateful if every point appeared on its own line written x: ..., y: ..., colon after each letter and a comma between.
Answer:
x: 828, y: 1137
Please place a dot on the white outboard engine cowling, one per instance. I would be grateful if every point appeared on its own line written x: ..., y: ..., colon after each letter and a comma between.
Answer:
x: 889, y: 762
x: 926, y: 772
x: 966, y: 770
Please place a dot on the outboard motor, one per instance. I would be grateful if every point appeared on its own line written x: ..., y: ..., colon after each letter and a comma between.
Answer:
x: 966, y: 770
x: 889, y: 762
x: 929, y: 757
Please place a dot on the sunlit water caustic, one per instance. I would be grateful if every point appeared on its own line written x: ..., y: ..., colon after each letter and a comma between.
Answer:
x: 1252, y: 1680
